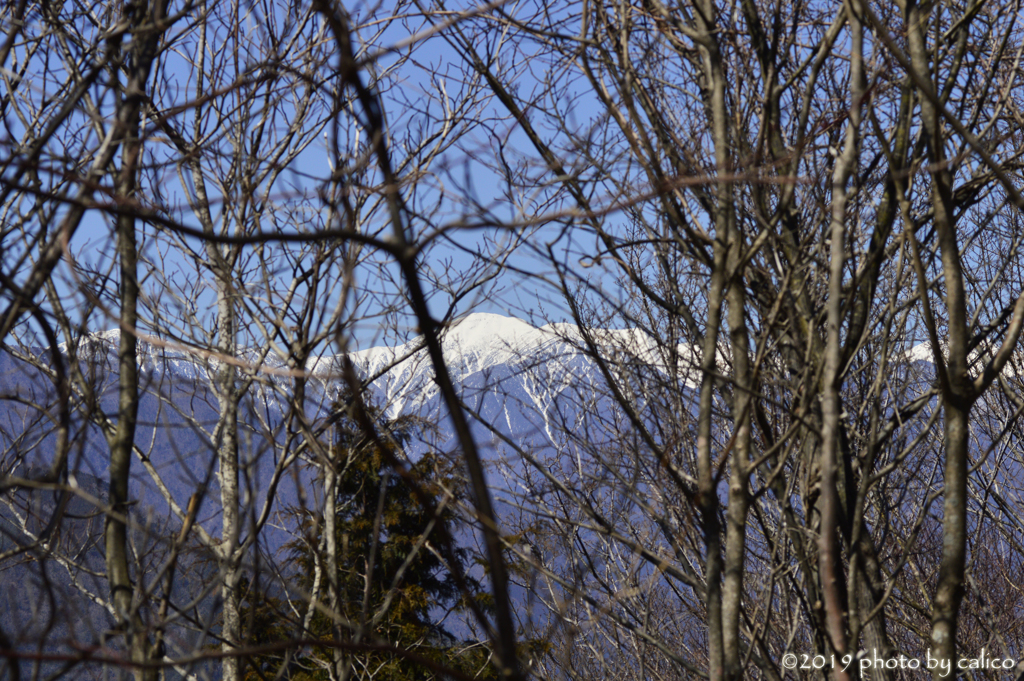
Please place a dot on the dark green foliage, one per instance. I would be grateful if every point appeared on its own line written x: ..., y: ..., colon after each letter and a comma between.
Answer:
x: 396, y: 581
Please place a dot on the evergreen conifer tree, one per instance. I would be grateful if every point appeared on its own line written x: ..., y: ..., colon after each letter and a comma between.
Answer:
x: 396, y: 585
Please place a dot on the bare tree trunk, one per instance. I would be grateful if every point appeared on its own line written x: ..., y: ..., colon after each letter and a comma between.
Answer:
x: 707, y: 492
x: 226, y: 442
x: 832, y: 583
x: 728, y: 240
x: 958, y: 393
x: 739, y: 482
x: 122, y: 439
x: 331, y: 539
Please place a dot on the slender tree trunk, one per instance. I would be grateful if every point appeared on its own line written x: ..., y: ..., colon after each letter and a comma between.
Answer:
x: 227, y: 461
x: 833, y: 584
x: 331, y: 537
x: 958, y: 393
x: 739, y: 484
x: 950, y: 591
x: 706, y: 488
x: 122, y: 440
x: 726, y: 606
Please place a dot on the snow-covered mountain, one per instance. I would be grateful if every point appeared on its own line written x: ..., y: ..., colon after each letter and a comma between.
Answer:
x: 517, y: 378
x: 526, y: 388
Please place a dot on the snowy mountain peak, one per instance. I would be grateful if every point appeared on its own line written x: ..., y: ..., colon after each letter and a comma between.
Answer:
x: 487, y: 339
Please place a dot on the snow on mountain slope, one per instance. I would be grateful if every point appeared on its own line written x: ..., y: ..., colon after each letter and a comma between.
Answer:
x: 533, y: 385
x: 501, y: 347
x: 530, y: 383
x: 476, y: 344
x: 473, y: 344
